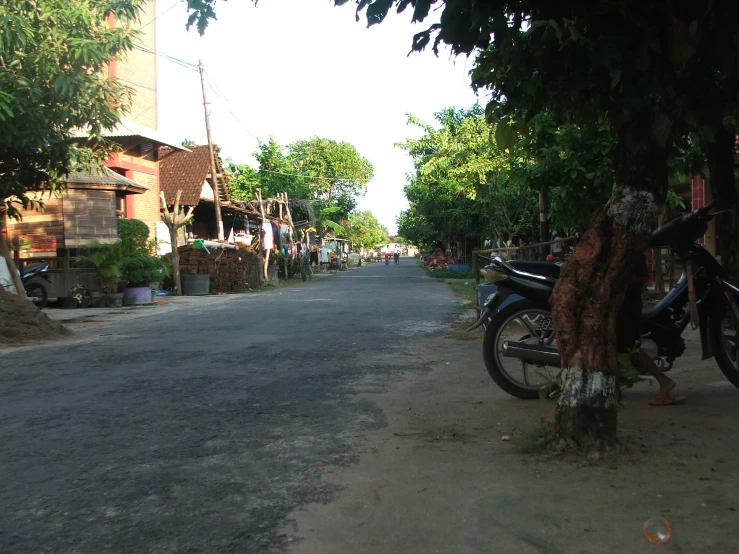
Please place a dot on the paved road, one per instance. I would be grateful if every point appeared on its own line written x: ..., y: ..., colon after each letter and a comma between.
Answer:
x: 199, y: 429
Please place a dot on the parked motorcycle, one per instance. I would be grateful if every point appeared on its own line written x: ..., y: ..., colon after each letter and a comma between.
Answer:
x: 35, y: 291
x: 520, y: 348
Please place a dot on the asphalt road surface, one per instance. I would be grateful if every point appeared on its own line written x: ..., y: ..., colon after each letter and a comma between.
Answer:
x: 200, y: 429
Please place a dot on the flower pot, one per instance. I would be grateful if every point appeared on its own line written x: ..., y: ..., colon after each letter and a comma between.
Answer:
x: 85, y: 303
x: 136, y: 296
x: 69, y: 303
x: 114, y: 300
x: 195, y: 285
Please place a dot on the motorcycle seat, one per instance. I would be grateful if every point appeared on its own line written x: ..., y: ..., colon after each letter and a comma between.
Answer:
x: 29, y: 269
x: 547, y: 269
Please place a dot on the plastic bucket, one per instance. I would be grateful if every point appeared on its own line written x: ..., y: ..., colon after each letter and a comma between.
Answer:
x: 195, y: 285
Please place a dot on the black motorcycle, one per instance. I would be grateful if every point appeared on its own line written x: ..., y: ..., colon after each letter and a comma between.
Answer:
x: 35, y: 291
x: 520, y: 349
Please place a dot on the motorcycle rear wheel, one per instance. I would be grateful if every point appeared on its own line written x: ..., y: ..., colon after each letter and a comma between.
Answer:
x: 38, y: 291
x: 528, y: 314
x: 723, y: 329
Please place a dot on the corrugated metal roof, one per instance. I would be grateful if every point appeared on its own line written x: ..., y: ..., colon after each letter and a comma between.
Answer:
x: 101, y: 176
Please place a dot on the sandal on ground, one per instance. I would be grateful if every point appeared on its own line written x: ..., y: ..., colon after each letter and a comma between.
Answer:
x: 667, y: 400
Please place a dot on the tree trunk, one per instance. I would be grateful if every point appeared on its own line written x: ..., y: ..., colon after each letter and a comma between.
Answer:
x: 5, y: 253
x: 588, y: 296
x: 544, y: 249
x: 723, y: 186
x: 175, y: 260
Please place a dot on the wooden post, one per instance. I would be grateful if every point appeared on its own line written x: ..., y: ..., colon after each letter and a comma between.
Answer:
x: 213, y: 173
x: 173, y: 221
x: 264, y: 220
x: 301, y: 261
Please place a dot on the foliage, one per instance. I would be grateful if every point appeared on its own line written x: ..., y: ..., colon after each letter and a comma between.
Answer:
x: 142, y: 268
x: 463, y: 183
x: 187, y: 143
x: 329, y: 173
x: 107, y: 262
x: 126, y: 260
x: 78, y: 292
x: 133, y: 231
x: 363, y: 229
x: 53, y: 80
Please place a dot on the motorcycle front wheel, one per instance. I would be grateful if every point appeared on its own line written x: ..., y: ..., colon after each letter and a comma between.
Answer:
x: 723, y: 329
x: 36, y: 293
x: 525, y: 321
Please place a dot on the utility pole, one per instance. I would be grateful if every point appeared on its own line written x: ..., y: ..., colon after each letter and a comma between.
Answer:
x: 214, y: 175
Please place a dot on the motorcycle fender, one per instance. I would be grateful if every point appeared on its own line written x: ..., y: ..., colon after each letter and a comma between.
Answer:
x: 491, y: 306
x: 45, y: 276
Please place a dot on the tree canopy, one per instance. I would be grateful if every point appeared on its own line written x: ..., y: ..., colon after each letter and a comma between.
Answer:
x: 329, y: 173
x: 363, y: 229
x: 464, y: 184
x: 53, y: 80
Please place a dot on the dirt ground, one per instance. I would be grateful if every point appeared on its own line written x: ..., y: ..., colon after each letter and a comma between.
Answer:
x: 439, y: 477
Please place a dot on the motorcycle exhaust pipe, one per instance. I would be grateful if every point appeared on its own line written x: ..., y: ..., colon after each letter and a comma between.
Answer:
x: 532, y: 353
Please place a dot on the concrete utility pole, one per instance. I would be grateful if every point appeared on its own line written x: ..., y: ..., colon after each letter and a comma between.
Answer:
x: 214, y: 175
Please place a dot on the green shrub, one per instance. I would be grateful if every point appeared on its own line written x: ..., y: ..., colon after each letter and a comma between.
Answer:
x: 133, y: 231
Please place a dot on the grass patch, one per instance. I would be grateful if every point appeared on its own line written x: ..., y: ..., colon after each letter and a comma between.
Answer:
x: 466, y: 291
x: 458, y: 330
x: 532, y: 441
x: 449, y: 274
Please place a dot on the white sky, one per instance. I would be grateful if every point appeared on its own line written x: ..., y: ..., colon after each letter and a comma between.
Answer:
x: 297, y: 68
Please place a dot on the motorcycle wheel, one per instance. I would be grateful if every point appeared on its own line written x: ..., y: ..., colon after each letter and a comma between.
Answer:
x: 38, y: 291
x: 519, y: 321
x: 723, y: 329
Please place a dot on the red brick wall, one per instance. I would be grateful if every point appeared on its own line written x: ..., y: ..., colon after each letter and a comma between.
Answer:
x: 139, y: 71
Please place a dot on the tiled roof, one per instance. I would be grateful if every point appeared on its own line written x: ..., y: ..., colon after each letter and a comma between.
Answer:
x: 187, y: 171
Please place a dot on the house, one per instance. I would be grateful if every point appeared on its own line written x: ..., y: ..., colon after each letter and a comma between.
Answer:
x: 126, y: 187
x: 190, y: 172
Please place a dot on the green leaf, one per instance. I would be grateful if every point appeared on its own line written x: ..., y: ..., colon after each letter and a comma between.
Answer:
x: 505, y: 136
x: 623, y: 360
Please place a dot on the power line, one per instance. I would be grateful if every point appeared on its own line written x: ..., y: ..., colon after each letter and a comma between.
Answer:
x: 173, y: 59
x: 161, y: 14
x: 222, y: 95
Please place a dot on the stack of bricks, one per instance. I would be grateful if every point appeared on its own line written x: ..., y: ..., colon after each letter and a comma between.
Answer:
x: 230, y: 270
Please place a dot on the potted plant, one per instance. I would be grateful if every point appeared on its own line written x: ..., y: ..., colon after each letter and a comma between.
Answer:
x: 81, y: 294
x: 141, y: 269
x: 107, y: 261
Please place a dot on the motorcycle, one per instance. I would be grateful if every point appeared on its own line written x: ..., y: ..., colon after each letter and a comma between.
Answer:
x: 519, y: 346
x: 35, y: 291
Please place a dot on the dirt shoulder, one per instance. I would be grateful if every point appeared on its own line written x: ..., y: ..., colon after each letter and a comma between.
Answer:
x: 438, y: 477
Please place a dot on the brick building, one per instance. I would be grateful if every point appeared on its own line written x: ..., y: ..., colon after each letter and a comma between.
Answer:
x: 128, y: 185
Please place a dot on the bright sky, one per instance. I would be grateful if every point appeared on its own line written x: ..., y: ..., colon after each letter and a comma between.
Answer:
x: 297, y: 68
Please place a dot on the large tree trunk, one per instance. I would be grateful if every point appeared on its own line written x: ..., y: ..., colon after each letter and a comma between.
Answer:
x: 723, y: 186
x: 588, y: 297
